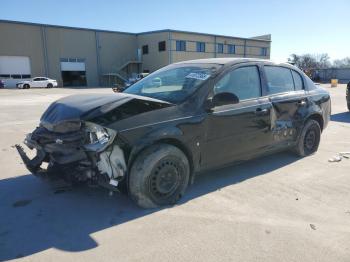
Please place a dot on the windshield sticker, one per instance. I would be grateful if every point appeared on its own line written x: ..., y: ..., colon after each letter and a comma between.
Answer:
x: 198, y: 76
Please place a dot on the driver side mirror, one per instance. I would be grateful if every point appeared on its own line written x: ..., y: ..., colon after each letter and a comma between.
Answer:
x: 222, y: 99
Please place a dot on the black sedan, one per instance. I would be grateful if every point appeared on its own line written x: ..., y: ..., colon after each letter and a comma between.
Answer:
x: 182, y: 119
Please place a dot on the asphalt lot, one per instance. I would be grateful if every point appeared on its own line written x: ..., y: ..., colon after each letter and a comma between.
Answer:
x: 276, y: 208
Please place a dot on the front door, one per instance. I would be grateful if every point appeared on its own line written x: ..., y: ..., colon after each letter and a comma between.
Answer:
x: 238, y: 131
x: 36, y: 82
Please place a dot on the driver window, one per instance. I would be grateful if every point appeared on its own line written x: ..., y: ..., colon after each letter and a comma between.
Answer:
x: 244, y: 82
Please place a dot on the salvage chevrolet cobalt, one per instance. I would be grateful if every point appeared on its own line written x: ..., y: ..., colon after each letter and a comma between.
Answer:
x: 182, y: 119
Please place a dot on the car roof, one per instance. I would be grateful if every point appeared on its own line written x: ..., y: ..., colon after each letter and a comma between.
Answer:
x: 231, y: 61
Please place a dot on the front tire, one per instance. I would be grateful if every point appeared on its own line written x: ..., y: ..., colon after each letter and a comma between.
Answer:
x: 26, y: 86
x: 159, y: 176
x: 309, y: 138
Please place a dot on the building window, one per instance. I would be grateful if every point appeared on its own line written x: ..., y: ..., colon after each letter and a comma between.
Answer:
x: 231, y: 49
x: 145, y: 49
x: 263, y: 51
x: 161, y: 46
x: 200, y: 47
x: 220, y: 48
x: 16, y: 76
x: 180, y: 45
x: 72, y: 60
x: 145, y: 71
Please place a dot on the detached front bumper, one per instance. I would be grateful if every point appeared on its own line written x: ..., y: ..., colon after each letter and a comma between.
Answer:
x: 33, y: 165
x: 72, y: 156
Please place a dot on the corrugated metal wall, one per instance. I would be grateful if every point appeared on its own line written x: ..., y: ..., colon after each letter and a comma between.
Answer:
x: 325, y: 75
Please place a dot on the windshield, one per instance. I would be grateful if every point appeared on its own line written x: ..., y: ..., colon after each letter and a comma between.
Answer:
x: 173, y: 83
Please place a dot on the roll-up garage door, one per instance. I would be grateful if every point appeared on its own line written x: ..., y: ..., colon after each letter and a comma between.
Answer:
x: 73, y: 72
x: 72, y: 66
x: 14, y: 65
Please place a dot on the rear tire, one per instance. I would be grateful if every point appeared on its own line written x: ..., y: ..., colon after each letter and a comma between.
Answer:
x: 309, y: 138
x: 49, y: 85
x: 159, y: 176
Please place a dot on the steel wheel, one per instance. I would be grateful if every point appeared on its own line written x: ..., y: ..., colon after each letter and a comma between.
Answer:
x: 159, y: 176
x: 309, y: 138
x: 165, y: 179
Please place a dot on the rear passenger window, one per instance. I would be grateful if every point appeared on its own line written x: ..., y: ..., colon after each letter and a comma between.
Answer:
x: 244, y: 82
x: 279, y: 79
x: 298, y: 81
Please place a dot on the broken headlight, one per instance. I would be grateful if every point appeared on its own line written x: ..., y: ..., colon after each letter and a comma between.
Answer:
x: 98, y: 137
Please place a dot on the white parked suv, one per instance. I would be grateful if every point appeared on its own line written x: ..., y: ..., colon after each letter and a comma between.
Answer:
x: 37, y: 82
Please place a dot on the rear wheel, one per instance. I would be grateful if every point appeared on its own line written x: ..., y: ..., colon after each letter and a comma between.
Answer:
x: 49, y: 85
x: 309, y: 138
x: 159, y: 176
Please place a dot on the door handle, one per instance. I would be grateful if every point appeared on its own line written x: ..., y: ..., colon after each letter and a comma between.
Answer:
x: 302, y: 102
x: 260, y: 112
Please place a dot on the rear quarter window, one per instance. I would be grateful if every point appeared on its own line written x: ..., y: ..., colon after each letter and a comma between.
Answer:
x: 298, y: 81
x: 279, y: 79
x: 310, y: 84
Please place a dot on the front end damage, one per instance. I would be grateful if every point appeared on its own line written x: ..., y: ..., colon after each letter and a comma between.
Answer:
x: 85, y: 152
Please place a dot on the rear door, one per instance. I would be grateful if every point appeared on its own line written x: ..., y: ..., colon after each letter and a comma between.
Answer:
x: 44, y: 82
x: 286, y: 92
x: 238, y: 131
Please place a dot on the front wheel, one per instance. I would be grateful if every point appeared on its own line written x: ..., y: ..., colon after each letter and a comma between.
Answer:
x: 26, y: 86
x: 309, y: 138
x: 159, y: 176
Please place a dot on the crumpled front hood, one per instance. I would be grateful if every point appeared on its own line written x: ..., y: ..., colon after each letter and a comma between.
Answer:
x: 66, y: 114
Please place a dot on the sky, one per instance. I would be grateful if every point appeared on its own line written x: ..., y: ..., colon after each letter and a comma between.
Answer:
x: 296, y: 26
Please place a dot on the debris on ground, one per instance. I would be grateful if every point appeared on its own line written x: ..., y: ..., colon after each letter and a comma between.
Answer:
x: 339, y: 157
x: 313, y: 226
x: 336, y: 158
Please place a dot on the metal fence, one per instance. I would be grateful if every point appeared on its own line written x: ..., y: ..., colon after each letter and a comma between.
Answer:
x: 325, y: 75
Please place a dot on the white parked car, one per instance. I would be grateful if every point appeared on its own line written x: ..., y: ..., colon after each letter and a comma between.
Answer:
x: 37, y: 82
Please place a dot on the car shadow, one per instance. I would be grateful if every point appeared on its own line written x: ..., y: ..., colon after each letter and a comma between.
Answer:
x: 35, y: 218
x: 343, y: 117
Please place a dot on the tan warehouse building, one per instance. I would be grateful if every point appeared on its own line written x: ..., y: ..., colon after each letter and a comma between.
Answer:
x: 79, y: 56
